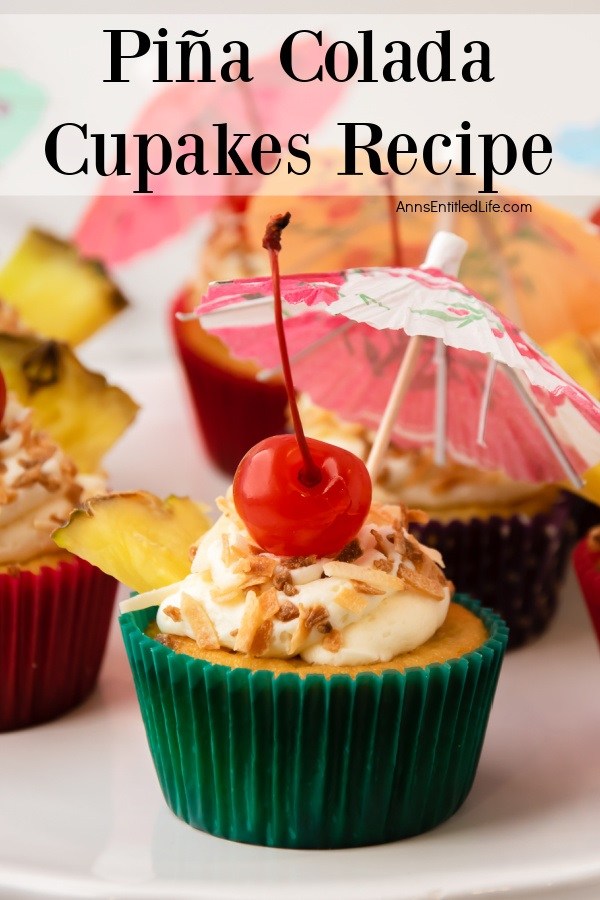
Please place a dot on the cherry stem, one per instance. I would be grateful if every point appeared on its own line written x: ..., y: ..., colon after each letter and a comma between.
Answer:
x: 310, y: 475
x: 394, y: 225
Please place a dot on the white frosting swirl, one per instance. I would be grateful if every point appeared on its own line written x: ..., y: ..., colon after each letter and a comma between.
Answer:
x: 39, y: 486
x: 384, y: 624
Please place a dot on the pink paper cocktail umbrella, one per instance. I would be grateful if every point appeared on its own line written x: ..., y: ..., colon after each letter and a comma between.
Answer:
x: 416, y: 353
x: 119, y: 224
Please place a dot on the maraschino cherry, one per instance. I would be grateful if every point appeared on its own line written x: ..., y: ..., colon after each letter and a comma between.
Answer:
x: 298, y: 496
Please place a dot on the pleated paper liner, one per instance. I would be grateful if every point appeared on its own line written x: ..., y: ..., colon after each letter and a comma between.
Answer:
x: 53, y: 630
x: 311, y: 762
x: 515, y: 565
x: 233, y: 411
x: 587, y: 567
x: 584, y: 515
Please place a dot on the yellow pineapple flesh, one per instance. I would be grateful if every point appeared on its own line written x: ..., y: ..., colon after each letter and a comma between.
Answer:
x: 78, y: 408
x: 138, y: 538
x: 56, y: 292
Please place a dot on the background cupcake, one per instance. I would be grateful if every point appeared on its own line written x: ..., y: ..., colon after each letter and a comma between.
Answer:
x: 55, y: 609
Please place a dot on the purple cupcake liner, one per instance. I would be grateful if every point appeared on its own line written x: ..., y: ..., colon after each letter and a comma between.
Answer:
x: 515, y: 565
x: 584, y: 514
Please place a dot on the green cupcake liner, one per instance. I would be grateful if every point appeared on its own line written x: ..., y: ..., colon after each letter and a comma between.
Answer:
x: 285, y: 761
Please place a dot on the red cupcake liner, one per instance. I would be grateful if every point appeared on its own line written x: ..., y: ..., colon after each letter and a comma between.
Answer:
x: 586, y: 563
x: 53, y: 630
x: 232, y: 412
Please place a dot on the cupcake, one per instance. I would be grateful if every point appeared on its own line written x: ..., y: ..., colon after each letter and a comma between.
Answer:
x: 586, y: 562
x: 55, y: 609
x: 309, y: 701
x: 233, y: 410
x: 505, y: 542
x: 308, y: 682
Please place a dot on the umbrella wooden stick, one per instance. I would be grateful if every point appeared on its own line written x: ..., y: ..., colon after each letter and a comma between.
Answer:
x: 445, y: 253
x: 485, y: 400
x: 441, y: 402
x: 386, y: 426
x: 545, y: 429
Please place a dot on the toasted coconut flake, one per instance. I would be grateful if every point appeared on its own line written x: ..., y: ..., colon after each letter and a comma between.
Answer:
x: 262, y: 638
x: 28, y: 477
x: 42, y: 452
x: 384, y: 565
x: 251, y: 621
x: 417, y: 515
x: 398, y: 538
x: 282, y: 580
x: 380, y: 543
x: 7, y: 496
x: 332, y: 641
x: 364, y: 588
x: 422, y: 582
x: 257, y: 567
x: 318, y: 618
x: 227, y: 507
x: 74, y: 493
x: 299, y: 562
x: 49, y: 482
x: 202, y: 627
x: 226, y: 550
x: 67, y: 467
x: 173, y: 613
x: 301, y: 633
x: 383, y: 514
x: 350, y: 599
x: 226, y: 595
x: 351, y: 551
x: 269, y: 604
x: 424, y: 561
x: 435, y: 556
x: 287, y: 611
x: 371, y: 577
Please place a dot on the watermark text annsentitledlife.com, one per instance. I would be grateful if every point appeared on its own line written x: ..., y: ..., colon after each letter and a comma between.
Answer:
x: 463, y: 206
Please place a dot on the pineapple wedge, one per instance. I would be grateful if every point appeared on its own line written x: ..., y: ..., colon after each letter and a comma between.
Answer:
x: 138, y: 538
x: 56, y: 292
x: 78, y: 408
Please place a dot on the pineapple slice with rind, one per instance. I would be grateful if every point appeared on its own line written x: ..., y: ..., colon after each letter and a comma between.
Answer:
x: 56, y: 292
x: 78, y: 408
x: 138, y: 538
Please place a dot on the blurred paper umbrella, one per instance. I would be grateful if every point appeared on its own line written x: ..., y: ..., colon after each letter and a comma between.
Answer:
x: 418, y: 350
x: 116, y: 228
x: 541, y: 267
x: 21, y: 105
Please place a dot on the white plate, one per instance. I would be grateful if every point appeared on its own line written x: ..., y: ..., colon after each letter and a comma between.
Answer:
x: 81, y: 814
